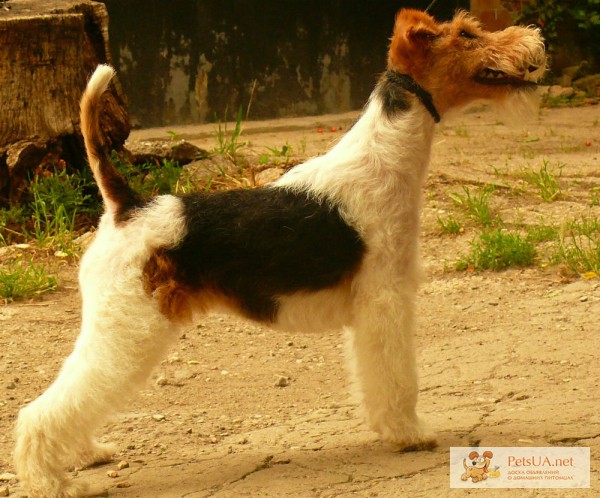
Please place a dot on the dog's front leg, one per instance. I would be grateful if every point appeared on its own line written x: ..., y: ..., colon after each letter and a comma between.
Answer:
x: 384, y: 364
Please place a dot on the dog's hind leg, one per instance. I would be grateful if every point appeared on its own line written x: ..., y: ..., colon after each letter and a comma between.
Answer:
x: 384, y: 365
x: 114, y: 354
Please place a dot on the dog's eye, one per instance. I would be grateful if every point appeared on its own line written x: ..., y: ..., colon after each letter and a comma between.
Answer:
x: 466, y: 34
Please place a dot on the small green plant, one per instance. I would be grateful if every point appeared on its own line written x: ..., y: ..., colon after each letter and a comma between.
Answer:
x: 58, y: 198
x: 162, y: 178
x: 22, y: 280
x: 578, y: 246
x: 151, y: 178
x: 450, y: 225
x: 71, y: 190
x: 476, y: 204
x: 53, y: 225
x: 541, y: 233
x: 553, y: 101
x: 546, y: 180
x: 497, y: 250
x: 183, y: 185
x: 229, y: 143
x: 595, y: 196
x: 173, y: 134
x: 12, y: 217
x: 277, y: 156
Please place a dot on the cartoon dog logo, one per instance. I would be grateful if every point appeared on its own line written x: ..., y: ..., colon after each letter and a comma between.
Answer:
x: 479, y: 470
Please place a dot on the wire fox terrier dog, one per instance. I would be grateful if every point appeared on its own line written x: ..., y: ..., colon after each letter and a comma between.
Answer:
x: 331, y: 245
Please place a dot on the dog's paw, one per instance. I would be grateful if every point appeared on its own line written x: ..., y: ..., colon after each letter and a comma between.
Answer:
x: 55, y: 487
x: 75, y: 490
x: 427, y: 443
x: 95, y: 454
x: 408, y: 436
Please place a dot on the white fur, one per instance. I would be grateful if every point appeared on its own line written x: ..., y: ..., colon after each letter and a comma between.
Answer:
x: 123, y: 335
x: 376, y: 173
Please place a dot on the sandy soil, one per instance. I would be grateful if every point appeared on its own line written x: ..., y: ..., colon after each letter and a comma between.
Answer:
x: 505, y: 359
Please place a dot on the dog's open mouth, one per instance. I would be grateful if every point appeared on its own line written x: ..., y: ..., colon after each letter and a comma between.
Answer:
x: 489, y: 76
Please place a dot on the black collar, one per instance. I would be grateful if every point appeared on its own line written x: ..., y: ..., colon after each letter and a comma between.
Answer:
x: 409, y: 84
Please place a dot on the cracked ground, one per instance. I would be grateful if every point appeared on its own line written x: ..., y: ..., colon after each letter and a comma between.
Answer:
x: 505, y: 359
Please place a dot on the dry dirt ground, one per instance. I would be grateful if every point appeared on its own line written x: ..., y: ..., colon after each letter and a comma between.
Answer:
x: 505, y: 359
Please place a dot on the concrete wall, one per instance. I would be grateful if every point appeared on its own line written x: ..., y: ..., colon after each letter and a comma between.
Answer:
x: 187, y: 61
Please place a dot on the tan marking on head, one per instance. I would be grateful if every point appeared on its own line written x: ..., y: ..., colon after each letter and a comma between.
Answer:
x: 450, y: 60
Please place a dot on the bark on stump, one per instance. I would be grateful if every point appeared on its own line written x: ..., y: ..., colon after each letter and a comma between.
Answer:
x: 48, y: 49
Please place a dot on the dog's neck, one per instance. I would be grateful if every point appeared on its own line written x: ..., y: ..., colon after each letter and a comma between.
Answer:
x: 392, y: 88
x: 391, y: 139
x: 379, y: 166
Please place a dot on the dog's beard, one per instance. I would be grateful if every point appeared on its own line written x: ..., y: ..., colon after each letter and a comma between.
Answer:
x: 519, y: 107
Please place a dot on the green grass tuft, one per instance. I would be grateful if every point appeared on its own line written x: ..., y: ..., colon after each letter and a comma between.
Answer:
x: 228, y: 143
x: 476, y: 204
x: 57, y: 200
x: 546, y: 180
x: 450, y: 225
x: 541, y: 233
x: 277, y: 156
x: 578, y: 246
x: 151, y: 178
x: 497, y: 250
x: 22, y: 280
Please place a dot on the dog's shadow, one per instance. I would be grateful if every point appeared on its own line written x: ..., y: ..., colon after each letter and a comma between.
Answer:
x: 253, y: 471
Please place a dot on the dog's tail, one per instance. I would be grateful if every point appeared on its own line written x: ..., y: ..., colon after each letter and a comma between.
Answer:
x: 119, y: 198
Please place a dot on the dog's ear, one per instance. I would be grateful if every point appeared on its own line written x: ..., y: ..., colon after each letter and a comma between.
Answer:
x: 473, y: 455
x: 487, y: 454
x: 413, y: 33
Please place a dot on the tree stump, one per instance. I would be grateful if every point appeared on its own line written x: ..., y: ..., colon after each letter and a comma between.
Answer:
x: 48, y: 49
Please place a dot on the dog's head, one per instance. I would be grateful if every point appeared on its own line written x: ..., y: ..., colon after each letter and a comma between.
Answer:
x: 459, y: 62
